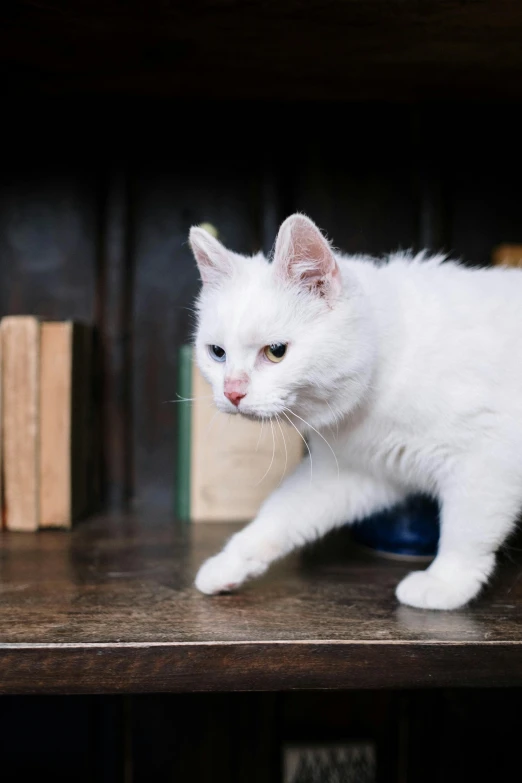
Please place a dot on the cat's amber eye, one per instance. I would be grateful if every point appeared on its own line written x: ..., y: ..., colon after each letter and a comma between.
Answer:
x: 275, y: 352
x: 217, y: 353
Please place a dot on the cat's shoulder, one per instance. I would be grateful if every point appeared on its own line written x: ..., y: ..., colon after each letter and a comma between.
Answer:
x: 396, y: 259
x: 425, y: 261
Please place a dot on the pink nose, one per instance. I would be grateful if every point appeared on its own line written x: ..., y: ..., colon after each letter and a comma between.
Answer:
x: 234, y: 397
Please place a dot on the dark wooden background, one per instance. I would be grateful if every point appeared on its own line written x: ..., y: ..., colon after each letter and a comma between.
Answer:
x: 97, y: 197
x: 444, y: 736
x: 392, y: 123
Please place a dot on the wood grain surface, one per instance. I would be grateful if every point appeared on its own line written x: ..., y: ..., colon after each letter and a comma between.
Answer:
x: 111, y: 608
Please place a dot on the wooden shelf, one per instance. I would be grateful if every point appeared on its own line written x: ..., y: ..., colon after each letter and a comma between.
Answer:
x: 111, y: 608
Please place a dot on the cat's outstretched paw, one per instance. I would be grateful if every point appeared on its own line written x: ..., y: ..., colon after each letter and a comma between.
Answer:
x: 427, y: 591
x: 227, y: 571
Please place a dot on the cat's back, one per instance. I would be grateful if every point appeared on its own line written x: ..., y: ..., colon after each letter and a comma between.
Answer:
x: 449, y: 358
x: 424, y: 287
x: 445, y: 327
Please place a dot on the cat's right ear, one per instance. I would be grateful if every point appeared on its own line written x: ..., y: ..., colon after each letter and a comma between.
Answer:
x: 211, y: 256
x: 304, y: 257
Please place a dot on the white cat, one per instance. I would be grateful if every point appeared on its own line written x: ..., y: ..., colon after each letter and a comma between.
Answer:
x: 417, y: 364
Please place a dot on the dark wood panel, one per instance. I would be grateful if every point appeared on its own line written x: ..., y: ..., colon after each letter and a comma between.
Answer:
x: 478, y: 736
x: 485, y: 166
x: 435, y: 736
x: 200, y: 168
x: 94, y: 219
x: 111, y: 608
x: 64, y: 253
x: 62, y: 738
x: 227, y: 738
x: 48, y: 238
x: 454, y: 735
x: 114, y: 310
x: 382, y: 50
x: 354, y: 173
x: 432, y: 160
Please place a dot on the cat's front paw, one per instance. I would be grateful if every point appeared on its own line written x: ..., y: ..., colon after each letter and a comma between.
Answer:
x: 226, y: 571
x: 427, y: 591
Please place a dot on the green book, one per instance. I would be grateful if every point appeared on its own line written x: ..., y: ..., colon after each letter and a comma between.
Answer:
x: 183, y: 461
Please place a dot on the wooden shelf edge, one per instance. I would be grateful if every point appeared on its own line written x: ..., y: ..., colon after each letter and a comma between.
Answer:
x: 267, y: 666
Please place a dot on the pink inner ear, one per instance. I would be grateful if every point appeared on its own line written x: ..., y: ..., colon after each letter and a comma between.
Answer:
x: 303, y: 254
x: 211, y: 257
x: 312, y: 257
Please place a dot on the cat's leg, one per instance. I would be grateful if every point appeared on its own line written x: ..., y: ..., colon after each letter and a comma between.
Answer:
x: 479, y: 510
x: 300, y: 510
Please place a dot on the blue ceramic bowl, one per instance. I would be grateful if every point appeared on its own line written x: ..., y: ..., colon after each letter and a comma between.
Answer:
x: 410, y: 530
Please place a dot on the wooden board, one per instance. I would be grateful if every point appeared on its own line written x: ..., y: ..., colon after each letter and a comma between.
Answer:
x: 21, y: 380
x: 111, y: 607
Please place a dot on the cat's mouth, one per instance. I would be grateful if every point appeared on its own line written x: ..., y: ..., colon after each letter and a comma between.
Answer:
x: 259, y: 417
x: 246, y: 413
x: 251, y: 413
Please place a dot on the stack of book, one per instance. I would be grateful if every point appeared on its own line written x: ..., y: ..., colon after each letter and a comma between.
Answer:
x: 46, y: 422
x: 227, y: 465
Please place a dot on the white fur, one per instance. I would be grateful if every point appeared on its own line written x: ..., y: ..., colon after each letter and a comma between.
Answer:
x: 410, y: 368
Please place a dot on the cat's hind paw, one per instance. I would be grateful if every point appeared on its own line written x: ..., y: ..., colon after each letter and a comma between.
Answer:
x: 227, y: 571
x: 427, y: 591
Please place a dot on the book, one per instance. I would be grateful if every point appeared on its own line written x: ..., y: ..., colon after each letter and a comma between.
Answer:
x: 352, y: 760
x: 20, y: 397
x: 507, y: 255
x: 182, y: 478
x: 226, y: 465
x: 2, y: 508
x: 65, y: 425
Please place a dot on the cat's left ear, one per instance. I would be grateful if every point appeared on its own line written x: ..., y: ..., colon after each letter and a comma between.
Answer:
x: 303, y: 256
x: 212, y: 258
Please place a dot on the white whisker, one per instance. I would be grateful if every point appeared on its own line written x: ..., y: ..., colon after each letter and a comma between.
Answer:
x: 273, y: 455
x: 211, y: 422
x: 260, y: 434
x: 303, y: 439
x: 286, y: 451
x: 321, y: 436
x: 225, y: 422
x: 189, y: 399
x: 336, y: 418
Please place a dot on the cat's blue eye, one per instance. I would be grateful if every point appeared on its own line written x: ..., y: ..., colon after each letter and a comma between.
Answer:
x: 217, y: 353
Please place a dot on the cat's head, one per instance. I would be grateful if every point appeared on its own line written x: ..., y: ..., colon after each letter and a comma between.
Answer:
x: 280, y: 337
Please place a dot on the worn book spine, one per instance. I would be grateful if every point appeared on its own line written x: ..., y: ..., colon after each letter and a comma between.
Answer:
x: 21, y: 382
x: 83, y: 457
x: 64, y: 422
x: 184, y: 451
x: 2, y: 504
